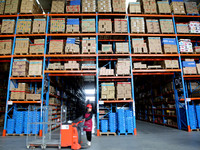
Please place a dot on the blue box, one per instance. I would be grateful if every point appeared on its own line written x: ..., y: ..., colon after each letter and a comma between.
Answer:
x: 104, y: 125
x: 198, y: 115
x: 169, y: 41
x: 192, y: 117
x: 73, y: 21
x: 189, y: 64
x: 71, y: 40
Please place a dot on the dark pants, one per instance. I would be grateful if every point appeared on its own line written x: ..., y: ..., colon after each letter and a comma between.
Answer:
x: 89, y: 135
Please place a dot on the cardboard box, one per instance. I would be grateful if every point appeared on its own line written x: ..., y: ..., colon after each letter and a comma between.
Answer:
x: 190, y: 70
x: 73, y: 9
x: 198, y: 68
x: 88, y: 67
x: 58, y: 6
x: 191, y: 8
x: 105, y: 26
x: 22, y: 46
x: 106, y: 72
x: 24, y: 26
x: 33, y: 97
x: 123, y: 66
x: 35, y: 68
x: 37, y: 47
x: 107, y: 48
x: 20, y: 67
x: 55, y: 66
x: 88, y: 25
x: 122, y: 48
x: 166, y: 26
x: 72, y: 46
x: 185, y: 46
x: 12, y: 6
x: 194, y: 26
x: 89, y: 45
x: 152, y: 26
x: 71, y: 65
x: 8, y: 26
x: 56, y: 46
x: 139, y: 46
x: 39, y: 26
x: 171, y: 64
x: 119, y: 6
x: 2, y: 6
x: 149, y: 6
x: 164, y: 7
x: 135, y: 8
x: 137, y: 25
x: 88, y: 6
x: 72, y: 25
x: 169, y: 45
x: 5, y: 47
x: 120, y: 26
x: 124, y: 90
x: 178, y: 8
x: 30, y: 6
x: 107, y: 91
x: 197, y: 49
x: 139, y: 65
x: 154, y: 45
x: 104, y: 6
x: 182, y: 28
x: 57, y: 25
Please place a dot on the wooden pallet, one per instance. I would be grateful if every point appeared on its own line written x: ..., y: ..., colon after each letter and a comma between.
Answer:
x: 34, y: 75
x: 122, y: 32
x: 18, y: 76
x: 71, y: 69
x: 106, y: 99
x: 101, y: 52
x: 54, y: 69
x: 23, y: 33
x: 38, y: 32
x: 123, y: 74
x: 89, y: 52
x: 36, y: 53
x: 122, y: 53
x: 14, y: 134
x: 5, y: 54
x: 105, y: 31
x: 170, y: 52
x: 17, y: 100
x: 108, y: 133
x: 106, y: 75
x: 57, y: 12
x: 167, y: 32
x: 88, y: 68
x: 154, y: 68
x: 73, y: 32
x: 55, y: 53
x: 155, y: 53
x: 195, y: 130
x: 124, y: 99
x: 72, y: 52
x: 139, y: 68
x: 32, y: 99
x: 21, y: 53
x: 57, y: 32
x: 186, y: 52
x: 122, y: 133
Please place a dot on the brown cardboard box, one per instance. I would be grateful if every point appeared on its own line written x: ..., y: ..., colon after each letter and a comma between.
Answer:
x: 8, y: 26
x: 2, y: 6
x: 166, y: 26
x: 106, y: 72
x: 30, y: 6
x: 12, y: 6
x: 24, y: 26
x: 33, y: 97
x: 22, y: 46
x: 198, y: 68
x: 88, y: 25
x: 139, y: 46
x: 197, y: 49
x: 72, y: 46
x: 56, y: 46
x: 182, y: 28
x: 139, y: 65
x: 104, y: 6
x: 105, y: 26
x: 37, y: 47
x: 89, y: 45
x: 152, y: 26
x: 122, y: 48
x: 88, y: 6
x: 35, y: 68
x: 137, y: 25
x: 120, y: 26
x: 119, y: 6
x: 39, y: 26
x: 72, y: 8
x: 71, y: 65
x: 20, y: 92
x: 135, y: 8
x: 123, y: 67
x: 107, y: 91
x: 124, y: 90
x: 191, y: 8
x: 149, y: 6
x: 190, y: 70
x: 20, y: 68
x: 57, y: 25
x: 5, y: 47
x: 178, y: 7
x: 55, y: 66
x: 58, y: 6
x: 88, y: 67
x: 107, y: 48
x: 171, y: 64
x: 72, y: 25
x: 154, y: 45
x: 169, y: 45
x: 164, y: 7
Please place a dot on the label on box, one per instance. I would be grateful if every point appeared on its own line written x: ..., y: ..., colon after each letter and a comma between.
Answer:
x: 10, y: 102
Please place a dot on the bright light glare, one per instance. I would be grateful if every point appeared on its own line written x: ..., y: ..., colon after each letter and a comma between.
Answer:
x: 89, y: 91
x: 90, y: 98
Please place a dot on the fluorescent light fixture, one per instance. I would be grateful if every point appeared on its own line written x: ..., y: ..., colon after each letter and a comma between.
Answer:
x: 89, y: 91
x: 90, y: 98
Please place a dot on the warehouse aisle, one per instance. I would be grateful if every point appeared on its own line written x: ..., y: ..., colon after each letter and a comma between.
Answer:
x: 150, y: 137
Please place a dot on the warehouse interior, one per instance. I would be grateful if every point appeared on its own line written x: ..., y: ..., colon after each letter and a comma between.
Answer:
x: 137, y: 62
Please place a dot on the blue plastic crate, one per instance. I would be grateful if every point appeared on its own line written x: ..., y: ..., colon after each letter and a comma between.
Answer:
x: 198, y: 115
x: 192, y: 117
x: 73, y: 21
x: 112, y: 122
x: 19, y: 122
x: 75, y: 2
x: 10, y: 126
x: 104, y: 125
x: 36, y: 127
x: 129, y: 124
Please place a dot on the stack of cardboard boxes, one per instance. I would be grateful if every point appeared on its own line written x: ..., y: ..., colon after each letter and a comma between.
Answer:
x: 35, y: 68
x: 185, y: 46
x: 155, y: 45
x: 124, y: 90
x: 22, y: 46
x: 169, y: 45
x: 24, y: 26
x: 8, y: 26
x: 12, y: 6
x: 72, y: 46
x: 120, y: 25
x: 30, y: 6
x: 194, y: 26
x: 197, y: 49
x: 106, y: 72
x: 171, y: 64
x: 5, y: 47
x: 198, y: 68
x: 89, y: 45
x: 57, y: 25
x: 73, y: 6
x: 122, y: 48
x: 191, y: 8
x: 106, y: 48
x: 56, y: 46
x: 107, y: 91
x: 123, y: 67
x: 20, y: 92
x: 166, y: 26
x: 72, y: 25
x: 88, y: 25
x: 105, y: 26
x: 135, y: 8
x: 2, y: 6
x: 149, y: 6
x: 88, y: 6
x: 164, y: 7
x: 152, y: 26
x: 39, y: 26
x: 178, y: 7
x: 88, y: 67
x: 139, y: 65
x: 119, y: 6
x: 34, y: 97
x: 58, y: 6
x: 37, y: 47
x: 55, y: 66
x: 182, y: 28
x: 20, y: 67
x: 104, y: 6
x: 189, y: 66
x: 139, y: 46
x: 137, y: 25
x: 71, y: 65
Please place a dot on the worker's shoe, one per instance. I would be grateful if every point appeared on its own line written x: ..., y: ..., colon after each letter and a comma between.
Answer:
x: 89, y: 143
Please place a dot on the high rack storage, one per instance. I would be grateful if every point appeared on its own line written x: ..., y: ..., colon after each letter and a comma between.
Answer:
x: 109, y: 37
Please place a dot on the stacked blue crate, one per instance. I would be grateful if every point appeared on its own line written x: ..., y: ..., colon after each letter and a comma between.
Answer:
x: 36, y: 119
x: 112, y: 122
x: 19, y: 125
x: 10, y: 126
x: 121, y: 121
x: 28, y: 119
x: 198, y: 115
x: 129, y: 121
x: 75, y: 2
x: 104, y: 125
x: 74, y: 21
x: 192, y: 117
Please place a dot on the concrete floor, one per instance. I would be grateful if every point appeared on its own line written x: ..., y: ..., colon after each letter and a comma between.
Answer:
x: 150, y: 137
